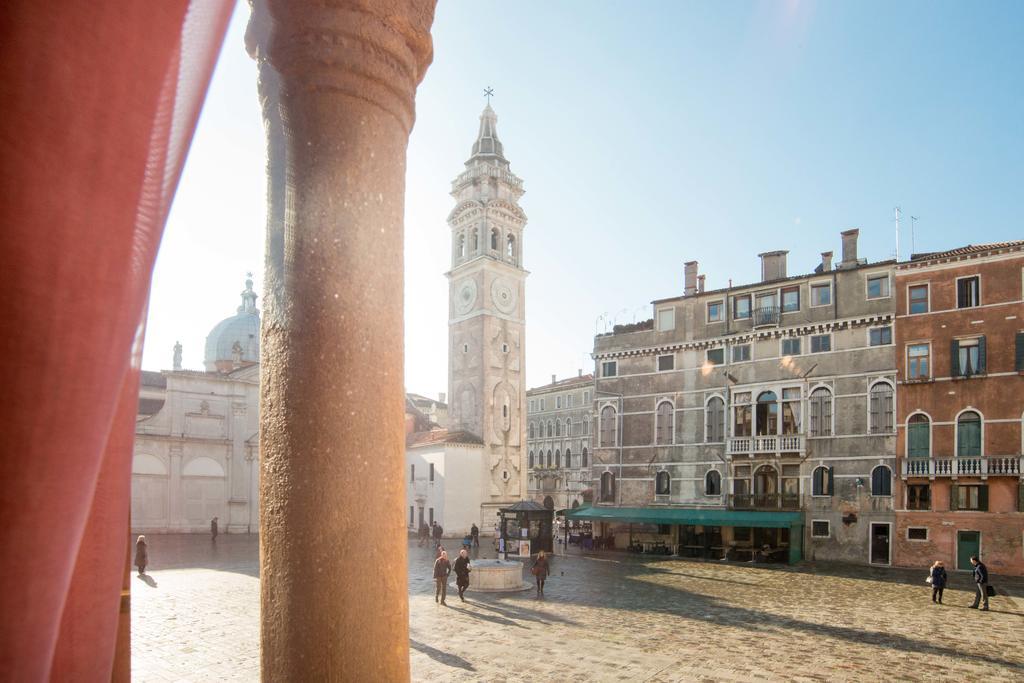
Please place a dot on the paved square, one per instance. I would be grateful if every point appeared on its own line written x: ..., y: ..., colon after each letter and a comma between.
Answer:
x: 607, y: 617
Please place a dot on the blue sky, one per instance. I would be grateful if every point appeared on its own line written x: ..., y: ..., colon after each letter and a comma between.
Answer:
x: 646, y: 136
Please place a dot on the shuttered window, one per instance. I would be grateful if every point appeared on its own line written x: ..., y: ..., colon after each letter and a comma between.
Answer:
x: 821, y: 482
x: 663, y: 427
x: 968, y: 434
x: 881, y: 409
x: 1019, y: 365
x: 968, y: 357
x: 715, y: 421
x: 821, y: 412
x: 918, y: 437
x: 608, y: 426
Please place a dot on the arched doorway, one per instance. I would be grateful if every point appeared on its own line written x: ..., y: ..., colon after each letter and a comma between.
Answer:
x: 549, y: 502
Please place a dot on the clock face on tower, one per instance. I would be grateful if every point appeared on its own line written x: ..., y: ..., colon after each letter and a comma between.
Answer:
x: 503, y: 294
x: 465, y: 296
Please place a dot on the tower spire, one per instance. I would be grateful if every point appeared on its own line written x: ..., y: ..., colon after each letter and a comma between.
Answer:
x: 487, y: 146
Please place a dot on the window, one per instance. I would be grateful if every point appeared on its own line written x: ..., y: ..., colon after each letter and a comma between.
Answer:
x: 494, y: 239
x: 542, y: 404
x: 791, y: 346
x: 568, y: 426
x: 558, y: 427
x: 533, y: 430
x: 791, y: 411
x: 917, y: 533
x: 461, y: 249
x: 1019, y: 359
x: 716, y: 356
x: 968, y: 434
x: 510, y: 251
x: 662, y: 484
x: 741, y: 414
x: 586, y: 425
x: 586, y: 397
x: 716, y: 314
x: 821, y: 343
x: 608, y: 426
x: 918, y: 299
x: 881, y: 481
x: 412, y: 515
x: 533, y: 406
x: 607, y: 487
x: 821, y: 412
x: 971, y: 497
x: 531, y: 460
x: 550, y: 462
x: 820, y: 528
x: 474, y: 241
x: 583, y: 458
x: 666, y: 319
x: 551, y: 429
x: 968, y: 357
x: 714, y: 431
x: 741, y: 307
x: 919, y: 497
x: 558, y: 402
x: 821, y: 482
x: 740, y: 353
x: 558, y: 458
x: 431, y: 474
x: 609, y: 368
x: 570, y: 400
x: 880, y: 408
x: 880, y: 336
x: 412, y: 472
x: 666, y: 363
x: 431, y: 516
x: 821, y: 294
x: 712, y: 483
x: 919, y: 436
x: 790, y: 299
x: 968, y: 292
x: 918, y: 361
x: 766, y: 415
x: 568, y: 457
x: 878, y: 286
x: 663, y: 426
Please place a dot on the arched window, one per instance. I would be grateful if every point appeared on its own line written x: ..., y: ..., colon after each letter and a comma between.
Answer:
x: 766, y: 416
x: 607, y: 487
x: 531, y: 460
x: 558, y: 458
x: 531, y: 430
x: 586, y: 425
x: 712, y: 483
x: 821, y: 482
x: 881, y: 481
x: 551, y: 429
x: 474, y: 241
x: 495, y: 239
x: 714, y: 421
x: 510, y: 249
x: 821, y: 412
x: 568, y: 458
x: 968, y: 433
x: 664, y: 424
x: 583, y: 457
x: 558, y: 427
x: 608, y: 426
x: 919, y: 443
x: 662, y: 484
x: 550, y: 461
x: 880, y: 408
x: 568, y: 426
x: 461, y: 249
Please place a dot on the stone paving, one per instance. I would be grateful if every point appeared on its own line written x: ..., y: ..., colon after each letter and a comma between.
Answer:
x: 606, y: 617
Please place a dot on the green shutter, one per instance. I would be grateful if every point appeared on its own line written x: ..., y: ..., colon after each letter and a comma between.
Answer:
x: 954, y: 359
x: 954, y: 497
x: 981, y: 356
x: 831, y: 482
x: 918, y: 440
x: 1020, y: 355
x: 983, y: 497
x: 1020, y: 497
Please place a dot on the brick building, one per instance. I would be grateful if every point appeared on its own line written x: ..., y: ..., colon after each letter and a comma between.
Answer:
x: 960, y: 343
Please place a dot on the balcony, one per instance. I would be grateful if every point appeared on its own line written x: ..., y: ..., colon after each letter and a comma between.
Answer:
x: 764, y: 501
x: 983, y: 466
x: 766, y: 315
x: 775, y: 443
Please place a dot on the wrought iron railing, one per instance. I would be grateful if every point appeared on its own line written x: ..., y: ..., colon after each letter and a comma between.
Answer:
x: 766, y: 315
x: 764, y: 501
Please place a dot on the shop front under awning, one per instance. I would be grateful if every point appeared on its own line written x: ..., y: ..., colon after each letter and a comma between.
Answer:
x: 773, y: 519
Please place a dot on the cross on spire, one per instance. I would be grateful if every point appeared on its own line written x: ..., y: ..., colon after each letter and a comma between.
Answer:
x: 488, y: 93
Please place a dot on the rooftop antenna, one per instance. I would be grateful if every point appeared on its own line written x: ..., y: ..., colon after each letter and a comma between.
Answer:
x: 897, y: 212
x: 913, y: 222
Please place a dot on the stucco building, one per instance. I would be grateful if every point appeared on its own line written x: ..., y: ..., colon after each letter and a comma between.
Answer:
x: 558, y: 437
x: 753, y: 415
x: 960, y: 344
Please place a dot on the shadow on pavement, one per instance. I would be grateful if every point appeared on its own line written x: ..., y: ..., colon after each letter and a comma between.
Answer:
x: 441, y: 656
x: 147, y: 579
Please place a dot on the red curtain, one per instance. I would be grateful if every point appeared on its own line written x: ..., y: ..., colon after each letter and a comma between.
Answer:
x: 100, y: 99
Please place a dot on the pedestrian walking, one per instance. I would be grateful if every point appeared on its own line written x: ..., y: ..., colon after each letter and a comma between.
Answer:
x: 424, y: 532
x: 438, y: 532
x: 540, y: 570
x: 141, y: 555
x: 462, y: 570
x: 213, y: 528
x: 475, y: 533
x: 937, y: 574
x: 981, y: 581
x: 442, y: 568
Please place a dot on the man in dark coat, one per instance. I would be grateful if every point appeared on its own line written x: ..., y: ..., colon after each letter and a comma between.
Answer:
x: 475, y: 533
x: 462, y: 570
x: 213, y: 528
x: 981, y: 581
x: 442, y: 568
x: 438, y: 531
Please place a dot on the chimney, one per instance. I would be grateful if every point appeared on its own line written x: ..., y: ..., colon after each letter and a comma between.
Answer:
x: 689, y: 278
x: 700, y: 284
x: 849, y: 248
x: 441, y: 397
x: 579, y: 372
x: 552, y: 379
x: 773, y: 265
x: 826, y: 261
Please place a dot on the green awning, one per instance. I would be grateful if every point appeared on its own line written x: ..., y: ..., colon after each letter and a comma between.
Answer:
x: 773, y: 519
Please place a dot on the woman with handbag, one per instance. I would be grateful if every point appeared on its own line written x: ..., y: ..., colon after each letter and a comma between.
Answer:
x: 540, y: 571
x: 937, y: 577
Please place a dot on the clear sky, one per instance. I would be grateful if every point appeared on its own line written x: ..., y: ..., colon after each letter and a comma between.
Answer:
x: 647, y: 135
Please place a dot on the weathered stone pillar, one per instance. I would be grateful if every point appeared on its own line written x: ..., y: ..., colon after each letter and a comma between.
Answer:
x: 332, y: 555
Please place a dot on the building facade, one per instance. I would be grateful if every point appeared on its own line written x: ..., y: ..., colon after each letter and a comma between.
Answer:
x: 558, y: 437
x: 752, y: 416
x: 960, y: 358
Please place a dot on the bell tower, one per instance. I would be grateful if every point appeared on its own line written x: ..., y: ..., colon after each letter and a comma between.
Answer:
x: 486, y: 314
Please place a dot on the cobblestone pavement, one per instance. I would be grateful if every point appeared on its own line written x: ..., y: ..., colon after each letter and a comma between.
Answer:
x: 608, y: 616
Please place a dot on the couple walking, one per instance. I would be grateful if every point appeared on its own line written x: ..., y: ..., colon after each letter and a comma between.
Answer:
x: 443, y: 568
x: 937, y: 578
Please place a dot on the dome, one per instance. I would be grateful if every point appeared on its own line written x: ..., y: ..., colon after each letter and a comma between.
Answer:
x: 235, y: 340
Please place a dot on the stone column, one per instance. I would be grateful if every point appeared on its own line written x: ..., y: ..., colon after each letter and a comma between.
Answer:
x: 332, y: 557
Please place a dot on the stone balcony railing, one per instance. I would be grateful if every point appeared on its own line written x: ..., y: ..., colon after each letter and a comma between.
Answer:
x: 764, y: 501
x: 489, y: 170
x: 964, y: 466
x: 784, y: 443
